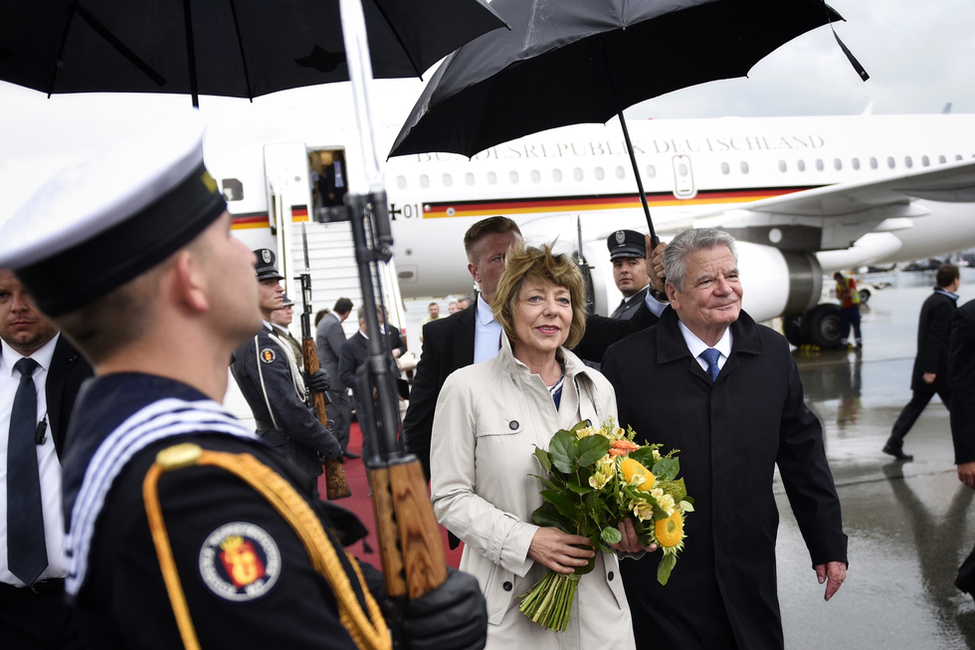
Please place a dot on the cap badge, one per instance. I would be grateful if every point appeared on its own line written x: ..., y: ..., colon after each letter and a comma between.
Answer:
x: 240, y: 561
x: 267, y: 355
x: 620, y: 237
x: 266, y: 256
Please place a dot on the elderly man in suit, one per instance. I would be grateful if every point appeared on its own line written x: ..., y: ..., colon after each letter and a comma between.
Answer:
x: 329, y: 339
x: 725, y: 391
x: 34, y: 355
x: 472, y: 335
x: 930, y: 373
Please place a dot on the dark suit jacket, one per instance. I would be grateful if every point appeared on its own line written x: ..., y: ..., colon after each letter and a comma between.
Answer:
x: 731, y: 434
x: 68, y: 370
x: 961, y: 374
x: 933, y: 334
x: 448, y: 344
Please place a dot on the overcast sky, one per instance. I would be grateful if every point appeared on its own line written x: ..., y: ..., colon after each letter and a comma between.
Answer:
x: 920, y: 56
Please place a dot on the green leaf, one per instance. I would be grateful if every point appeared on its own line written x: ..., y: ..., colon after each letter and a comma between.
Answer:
x: 579, y: 425
x: 643, y: 455
x: 611, y: 535
x: 591, y: 449
x: 563, y: 452
x: 667, y: 564
x: 676, y: 489
x: 579, y: 488
x: 547, y: 515
x: 583, y: 570
x: 543, y: 459
x: 544, y: 480
x: 563, y: 502
x: 666, y: 469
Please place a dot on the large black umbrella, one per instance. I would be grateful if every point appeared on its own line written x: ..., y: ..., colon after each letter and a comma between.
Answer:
x: 574, y: 61
x: 233, y: 48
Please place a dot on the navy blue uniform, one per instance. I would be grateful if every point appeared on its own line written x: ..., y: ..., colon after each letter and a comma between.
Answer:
x: 284, y: 421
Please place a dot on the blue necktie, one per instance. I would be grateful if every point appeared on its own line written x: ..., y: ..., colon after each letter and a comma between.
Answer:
x: 26, y: 551
x: 711, y: 356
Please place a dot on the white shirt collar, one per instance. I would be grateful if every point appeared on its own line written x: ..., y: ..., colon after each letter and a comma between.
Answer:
x: 43, y: 355
x: 697, y: 346
x: 484, y: 313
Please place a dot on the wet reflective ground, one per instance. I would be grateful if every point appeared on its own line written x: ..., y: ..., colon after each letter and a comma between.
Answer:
x: 910, y: 524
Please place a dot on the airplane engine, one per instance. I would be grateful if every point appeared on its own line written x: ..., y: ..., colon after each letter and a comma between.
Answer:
x: 774, y: 282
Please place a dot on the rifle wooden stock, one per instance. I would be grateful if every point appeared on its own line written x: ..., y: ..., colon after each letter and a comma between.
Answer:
x: 409, y: 538
x: 336, y: 485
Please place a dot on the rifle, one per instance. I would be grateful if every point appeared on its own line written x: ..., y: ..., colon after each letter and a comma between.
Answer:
x: 336, y: 485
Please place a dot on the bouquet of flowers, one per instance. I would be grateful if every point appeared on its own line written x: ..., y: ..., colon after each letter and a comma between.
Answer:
x: 594, y: 479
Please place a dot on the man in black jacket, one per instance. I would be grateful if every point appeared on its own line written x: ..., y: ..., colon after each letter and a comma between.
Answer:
x: 930, y: 373
x: 33, y: 613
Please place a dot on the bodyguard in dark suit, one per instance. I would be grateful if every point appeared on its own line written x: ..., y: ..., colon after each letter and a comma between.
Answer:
x: 33, y: 613
x: 726, y: 392
x: 472, y: 335
x: 930, y: 373
x: 329, y: 339
x: 961, y: 407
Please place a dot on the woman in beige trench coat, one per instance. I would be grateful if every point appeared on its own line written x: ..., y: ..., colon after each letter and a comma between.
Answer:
x: 489, y: 418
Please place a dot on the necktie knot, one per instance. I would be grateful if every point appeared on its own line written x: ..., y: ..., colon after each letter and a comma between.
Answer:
x: 711, y: 357
x: 26, y: 366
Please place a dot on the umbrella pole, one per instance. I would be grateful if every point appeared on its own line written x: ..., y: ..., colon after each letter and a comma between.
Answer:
x: 639, y: 181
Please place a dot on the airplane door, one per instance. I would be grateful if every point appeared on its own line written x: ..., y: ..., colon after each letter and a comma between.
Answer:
x: 684, y: 187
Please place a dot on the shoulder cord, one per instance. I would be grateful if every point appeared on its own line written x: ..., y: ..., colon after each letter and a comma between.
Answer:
x: 260, y: 373
x: 289, y: 354
x: 369, y: 632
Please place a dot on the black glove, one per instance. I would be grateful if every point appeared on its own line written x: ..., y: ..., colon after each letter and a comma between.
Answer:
x: 454, y: 615
x: 318, y: 381
x: 331, y: 447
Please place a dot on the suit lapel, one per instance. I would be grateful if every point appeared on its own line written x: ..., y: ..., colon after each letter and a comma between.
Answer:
x: 464, y: 341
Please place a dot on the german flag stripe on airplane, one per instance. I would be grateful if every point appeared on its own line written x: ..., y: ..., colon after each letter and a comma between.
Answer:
x: 535, y: 205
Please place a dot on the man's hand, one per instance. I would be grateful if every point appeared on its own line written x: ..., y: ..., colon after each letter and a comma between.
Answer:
x: 929, y: 377
x: 318, y: 381
x: 966, y: 474
x: 630, y: 544
x: 655, y: 265
x: 454, y: 615
x: 833, y: 574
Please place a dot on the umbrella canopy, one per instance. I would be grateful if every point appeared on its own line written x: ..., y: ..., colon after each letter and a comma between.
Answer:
x: 573, y: 61
x: 233, y: 48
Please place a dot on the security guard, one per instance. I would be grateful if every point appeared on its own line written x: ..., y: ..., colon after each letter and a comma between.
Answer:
x: 274, y: 387
x: 184, y: 529
x: 628, y: 253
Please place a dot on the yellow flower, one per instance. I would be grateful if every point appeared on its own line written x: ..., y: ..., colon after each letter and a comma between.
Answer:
x: 666, y: 503
x: 670, y: 531
x: 637, y: 475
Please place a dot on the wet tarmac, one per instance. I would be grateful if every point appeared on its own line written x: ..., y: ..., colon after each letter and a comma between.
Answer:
x: 910, y: 524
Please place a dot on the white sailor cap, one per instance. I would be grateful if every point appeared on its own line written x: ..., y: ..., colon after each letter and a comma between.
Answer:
x: 97, y: 225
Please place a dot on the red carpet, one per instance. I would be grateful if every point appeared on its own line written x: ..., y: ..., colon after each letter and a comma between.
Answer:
x: 367, y: 550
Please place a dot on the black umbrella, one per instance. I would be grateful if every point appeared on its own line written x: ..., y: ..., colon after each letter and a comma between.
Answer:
x: 233, y: 48
x: 574, y: 61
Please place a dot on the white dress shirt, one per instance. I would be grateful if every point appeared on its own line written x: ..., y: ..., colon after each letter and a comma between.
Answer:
x: 697, y: 346
x: 487, y: 332
x: 48, y: 463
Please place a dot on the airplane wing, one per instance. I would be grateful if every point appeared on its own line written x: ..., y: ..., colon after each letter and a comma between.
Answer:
x: 834, y: 216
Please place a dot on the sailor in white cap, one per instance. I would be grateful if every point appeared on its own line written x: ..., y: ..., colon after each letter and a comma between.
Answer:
x: 184, y: 530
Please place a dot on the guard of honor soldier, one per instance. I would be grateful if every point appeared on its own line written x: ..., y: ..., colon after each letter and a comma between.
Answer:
x: 628, y: 253
x: 184, y: 528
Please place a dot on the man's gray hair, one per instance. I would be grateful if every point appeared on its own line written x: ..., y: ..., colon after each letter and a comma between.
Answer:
x: 691, y: 241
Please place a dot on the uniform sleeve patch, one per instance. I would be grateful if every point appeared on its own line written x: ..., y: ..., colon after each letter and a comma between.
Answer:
x: 240, y: 561
x: 267, y: 355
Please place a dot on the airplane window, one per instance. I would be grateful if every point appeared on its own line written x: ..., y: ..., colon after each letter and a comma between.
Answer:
x: 557, y: 175
x: 536, y: 176
x: 725, y: 168
x: 448, y: 180
x: 873, y: 163
x: 855, y: 163
x: 577, y: 174
x: 469, y: 178
x: 651, y: 171
x: 233, y: 189
x: 782, y: 166
x: 908, y: 162
x: 492, y: 178
x: 958, y: 156
x: 620, y: 172
x: 682, y: 169
x: 819, y: 164
x: 891, y: 162
x: 599, y: 173
x: 424, y: 180
x: 925, y: 161
x: 513, y: 177
x: 837, y: 164
x: 401, y: 182
x: 942, y: 159
x: 801, y: 164
x: 744, y: 167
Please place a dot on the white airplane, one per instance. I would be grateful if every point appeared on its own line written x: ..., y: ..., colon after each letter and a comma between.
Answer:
x: 804, y: 196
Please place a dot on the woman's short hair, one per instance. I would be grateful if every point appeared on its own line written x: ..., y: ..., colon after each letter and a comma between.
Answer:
x: 528, y: 264
x: 691, y: 241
